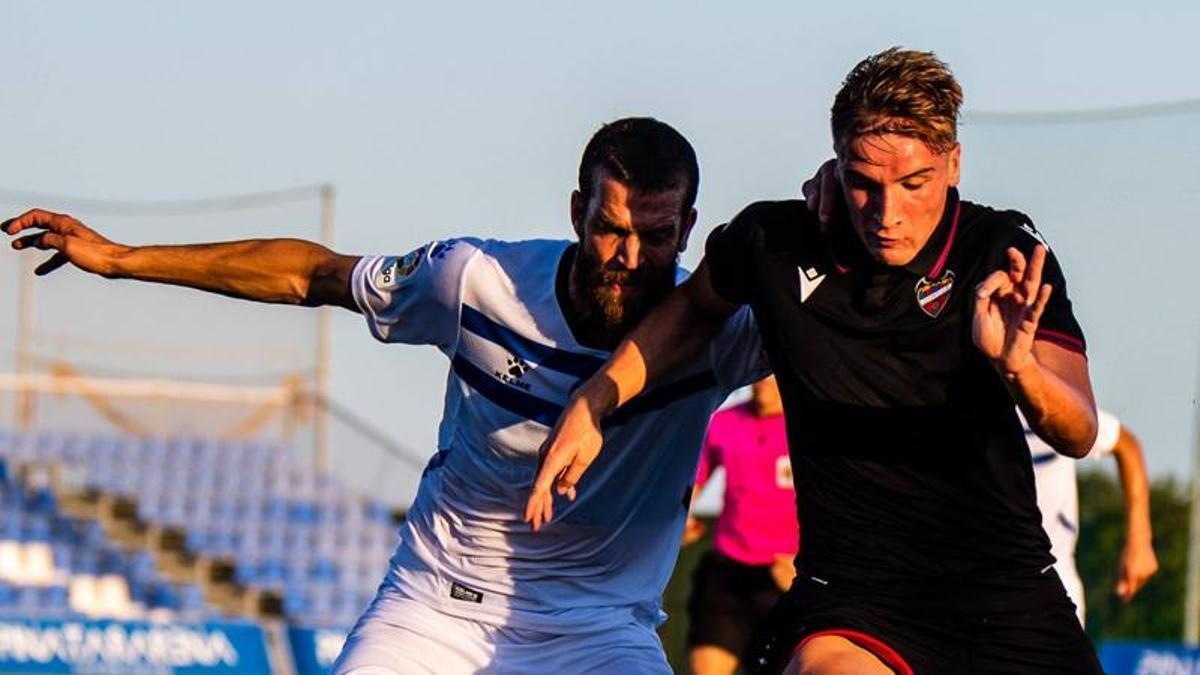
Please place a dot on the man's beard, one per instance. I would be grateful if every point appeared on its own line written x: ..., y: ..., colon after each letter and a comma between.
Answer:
x: 614, y: 313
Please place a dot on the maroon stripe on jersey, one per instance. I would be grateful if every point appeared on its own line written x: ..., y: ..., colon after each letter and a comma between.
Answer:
x: 890, y: 657
x: 1061, y: 339
x: 941, y: 261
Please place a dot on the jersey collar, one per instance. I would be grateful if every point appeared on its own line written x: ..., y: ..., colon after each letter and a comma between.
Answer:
x: 930, y: 261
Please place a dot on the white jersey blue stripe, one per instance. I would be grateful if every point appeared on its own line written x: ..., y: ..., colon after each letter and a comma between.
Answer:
x: 491, y: 308
x: 1058, y: 498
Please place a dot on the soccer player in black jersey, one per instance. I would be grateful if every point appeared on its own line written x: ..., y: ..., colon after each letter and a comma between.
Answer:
x: 901, y: 335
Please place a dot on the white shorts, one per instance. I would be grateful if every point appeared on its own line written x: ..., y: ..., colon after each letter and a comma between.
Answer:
x: 1074, y: 585
x: 401, y: 636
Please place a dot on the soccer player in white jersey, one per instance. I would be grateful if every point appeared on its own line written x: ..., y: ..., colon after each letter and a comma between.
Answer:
x: 471, y: 588
x: 1058, y: 500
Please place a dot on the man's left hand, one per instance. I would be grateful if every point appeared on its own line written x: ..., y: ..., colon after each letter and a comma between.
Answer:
x: 1008, y: 306
x: 1138, y: 564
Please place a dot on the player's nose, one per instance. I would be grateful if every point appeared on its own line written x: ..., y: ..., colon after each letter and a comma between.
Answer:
x: 631, y: 250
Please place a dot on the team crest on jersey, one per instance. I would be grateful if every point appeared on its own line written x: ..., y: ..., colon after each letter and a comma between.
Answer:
x: 933, y: 296
x: 441, y: 248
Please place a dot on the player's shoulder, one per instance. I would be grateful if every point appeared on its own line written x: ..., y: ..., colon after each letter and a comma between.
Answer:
x: 525, y: 255
x: 994, y: 230
x: 770, y: 215
x: 774, y: 224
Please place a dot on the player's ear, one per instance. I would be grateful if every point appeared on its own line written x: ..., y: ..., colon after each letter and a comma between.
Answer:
x: 578, y: 212
x: 954, y: 162
x: 685, y: 230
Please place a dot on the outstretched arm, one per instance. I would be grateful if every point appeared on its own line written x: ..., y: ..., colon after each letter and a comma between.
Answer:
x: 1138, y: 561
x: 673, y: 334
x: 288, y: 271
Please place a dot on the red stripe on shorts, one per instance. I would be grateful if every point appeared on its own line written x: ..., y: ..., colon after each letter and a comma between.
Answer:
x: 890, y: 657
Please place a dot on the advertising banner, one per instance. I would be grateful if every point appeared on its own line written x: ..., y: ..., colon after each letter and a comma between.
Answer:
x: 48, y: 646
x: 1149, y: 658
x: 315, y: 650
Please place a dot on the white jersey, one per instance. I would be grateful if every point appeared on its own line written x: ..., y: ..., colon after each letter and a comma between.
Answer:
x: 1058, y: 497
x: 491, y: 308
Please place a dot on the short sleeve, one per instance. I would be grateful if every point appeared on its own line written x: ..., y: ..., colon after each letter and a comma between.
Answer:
x: 729, y: 254
x: 737, y: 353
x: 1107, y: 434
x: 1058, y: 324
x: 414, y: 298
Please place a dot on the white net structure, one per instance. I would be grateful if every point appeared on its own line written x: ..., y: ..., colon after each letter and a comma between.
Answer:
x: 81, y: 353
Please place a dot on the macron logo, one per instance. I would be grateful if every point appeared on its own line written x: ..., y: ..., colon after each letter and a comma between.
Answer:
x: 810, y: 278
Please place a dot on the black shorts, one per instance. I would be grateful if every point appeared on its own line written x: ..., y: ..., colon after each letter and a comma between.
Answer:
x: 729, y: 599
x: 1029, y: 628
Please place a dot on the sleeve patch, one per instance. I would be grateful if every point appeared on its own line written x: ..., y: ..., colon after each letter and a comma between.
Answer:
x: 395, y: 271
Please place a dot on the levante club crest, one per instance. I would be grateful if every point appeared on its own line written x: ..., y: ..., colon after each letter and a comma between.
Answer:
x: 933, y: 295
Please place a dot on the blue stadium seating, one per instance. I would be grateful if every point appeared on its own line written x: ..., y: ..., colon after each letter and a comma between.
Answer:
x: 282, y: 526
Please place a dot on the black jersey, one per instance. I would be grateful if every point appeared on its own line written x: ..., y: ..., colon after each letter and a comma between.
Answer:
x: 911, y: 467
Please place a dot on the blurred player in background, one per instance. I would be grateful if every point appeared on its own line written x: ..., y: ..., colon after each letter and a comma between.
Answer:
x: 470, y: 588
x: 755, y: 538
x: 901, y: 333
x: 1058, y: 500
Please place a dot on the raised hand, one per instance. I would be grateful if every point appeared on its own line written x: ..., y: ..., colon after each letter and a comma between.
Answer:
x: 72, y: 241
x: 822, y: 191
x: 1008, y: 306
x: 570, y: 449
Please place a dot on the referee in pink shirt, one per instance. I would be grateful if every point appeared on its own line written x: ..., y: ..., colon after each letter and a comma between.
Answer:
x: 756, y: 535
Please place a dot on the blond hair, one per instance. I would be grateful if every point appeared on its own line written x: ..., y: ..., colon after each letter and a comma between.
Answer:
x: 898, y: 91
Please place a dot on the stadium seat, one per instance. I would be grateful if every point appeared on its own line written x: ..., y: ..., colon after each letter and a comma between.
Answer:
x: 10, y: 560
x: 140, y: 567
x: 324, y: 571
x: 10, y: 524
x: 35, y: 527
x: 29, y: 601
x: 54, y: 600
x: 192, y: 604
x: 37, y: 564
x: 113, y: 597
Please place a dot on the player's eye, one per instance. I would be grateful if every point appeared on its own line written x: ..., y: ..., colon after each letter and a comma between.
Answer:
x: 913, y: 186
x: 658, y: 237
x: 610, y: 230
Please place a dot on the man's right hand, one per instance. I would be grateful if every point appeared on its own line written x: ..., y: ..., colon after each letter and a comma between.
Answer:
x: 569, y: 450
x: 72, y: 241
x: 822, y: 191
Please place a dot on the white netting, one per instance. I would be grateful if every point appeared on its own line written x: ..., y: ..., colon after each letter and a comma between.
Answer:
x: 156, y: 359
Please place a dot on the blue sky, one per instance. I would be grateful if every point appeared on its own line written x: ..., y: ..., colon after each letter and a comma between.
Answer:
x: 444, y: 119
